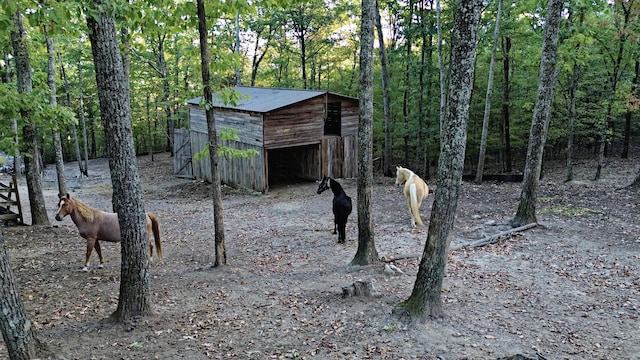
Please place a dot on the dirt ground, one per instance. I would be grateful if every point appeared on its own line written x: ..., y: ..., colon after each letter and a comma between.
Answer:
x: 567, y: 289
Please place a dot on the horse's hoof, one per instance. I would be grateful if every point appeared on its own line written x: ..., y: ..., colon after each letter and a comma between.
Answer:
x: 100, y: 266
x: 85, y: 269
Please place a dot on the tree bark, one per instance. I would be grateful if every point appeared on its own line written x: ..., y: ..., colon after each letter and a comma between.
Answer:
x: 29, y: 131
x: 17, y: 330
x: 385, y: 96
x: 573, y: 94
x: 425, y: 301
x: 113, y: 93
x: 526, y: 212
x: 76, y: 143
x: 629, y: 112
x: 366, y: 253
x: 487, y: 101
x: 57, y: 142
x: 221, y: 254
x: 506, y: 96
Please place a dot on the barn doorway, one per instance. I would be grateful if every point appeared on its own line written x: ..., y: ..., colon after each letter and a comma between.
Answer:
x: 293, y: 165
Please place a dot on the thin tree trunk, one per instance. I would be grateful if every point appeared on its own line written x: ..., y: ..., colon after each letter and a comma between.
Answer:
x: 506, y: 98
x: 367, y: 253
x: 407, y: 85
x: 425, y: 300
x: 57, y: 142
x: 113, y: 92
x: 487, y: 101
x: 29, y: 132
x: 614, y: 78
x: 526, y: 213
x: 573, y: 90
x: 67, y: 92
x: 385, y: 96
x: 221, y: 256
x: 83, y: 122
x: 627, y: 115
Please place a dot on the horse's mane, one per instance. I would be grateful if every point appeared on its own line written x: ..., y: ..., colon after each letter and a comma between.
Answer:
x: 85, y: 210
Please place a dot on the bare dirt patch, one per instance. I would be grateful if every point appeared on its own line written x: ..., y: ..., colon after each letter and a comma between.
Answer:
x: 568, y: 289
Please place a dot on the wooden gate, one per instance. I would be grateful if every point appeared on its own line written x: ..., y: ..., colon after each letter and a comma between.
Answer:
x: 7, y: 201
x: 182, y: 164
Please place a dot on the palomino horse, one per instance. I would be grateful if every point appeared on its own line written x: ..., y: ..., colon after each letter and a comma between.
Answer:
x: 95, y: 225
x: 415, y: 190
x: 341, y: 206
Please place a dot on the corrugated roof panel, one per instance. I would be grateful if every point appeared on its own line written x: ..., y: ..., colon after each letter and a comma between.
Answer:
x: 261, y: 100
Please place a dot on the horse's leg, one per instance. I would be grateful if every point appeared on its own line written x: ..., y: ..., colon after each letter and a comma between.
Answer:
x: 90, y: 245
x: 413, y: 220
x: 342, y: 229
x: 99, y: 251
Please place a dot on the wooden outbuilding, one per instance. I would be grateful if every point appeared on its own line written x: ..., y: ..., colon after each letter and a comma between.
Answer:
x: 297, y: 134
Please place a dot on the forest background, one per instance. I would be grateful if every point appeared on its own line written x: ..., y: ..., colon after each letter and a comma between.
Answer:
x: 315, y: 45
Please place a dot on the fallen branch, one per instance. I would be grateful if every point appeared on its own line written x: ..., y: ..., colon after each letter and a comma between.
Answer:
x: 391, y: 258
x: 495, y: 238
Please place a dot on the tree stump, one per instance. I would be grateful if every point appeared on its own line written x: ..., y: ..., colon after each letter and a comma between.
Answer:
x: 358, y: 288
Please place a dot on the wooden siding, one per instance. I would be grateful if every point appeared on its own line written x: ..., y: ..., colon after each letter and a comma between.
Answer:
x: 304, y: 122
x: 339, y: 156
x: 248, y: 126
x: 246, y: 172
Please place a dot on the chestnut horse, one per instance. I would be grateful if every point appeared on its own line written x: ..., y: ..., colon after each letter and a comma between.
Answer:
x: 415, y: 190
x: 95, y: 225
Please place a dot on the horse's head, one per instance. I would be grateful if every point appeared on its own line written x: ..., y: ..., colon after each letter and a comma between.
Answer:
x: 65, y: 206
x: 401, y: 175
x: 324, y: 185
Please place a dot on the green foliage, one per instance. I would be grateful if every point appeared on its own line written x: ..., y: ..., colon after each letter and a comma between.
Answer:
x: 226, y: 134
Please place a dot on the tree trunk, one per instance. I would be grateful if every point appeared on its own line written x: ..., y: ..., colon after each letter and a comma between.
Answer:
x: 221, y: 254
x: 573, y: 94
x: 17, y: 330
x: 487, y: 101
x: 30, y: 135
x: 385, y: 97
x: 627, y: 115
x: 506, y: 95
x: 407, y: 85
x: 67, y: 92
x: 425, y: 300
x: 443, y: 75
x: 526, y: 212
x: 113, y: 93
x: 367, y: 253
x: 614, y: 78
x: 57, y: 142
x: 83, y: 121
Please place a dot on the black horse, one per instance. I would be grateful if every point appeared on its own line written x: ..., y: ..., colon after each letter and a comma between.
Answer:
x: 341, y: 206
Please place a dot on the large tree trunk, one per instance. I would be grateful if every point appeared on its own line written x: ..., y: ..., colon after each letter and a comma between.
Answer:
x: 425, y: 300
x: 29, y: 132
x: 526, y: 213
x: 57, y: 142
x: 385, y: 97
x: 17, y: 330
x: 367, y: 253
x: 221, y: 254
x: 487, y: 101
x: 113, y: 93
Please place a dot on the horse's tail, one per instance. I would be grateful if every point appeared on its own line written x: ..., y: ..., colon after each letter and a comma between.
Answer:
x: 415, y: 208
x: 155, y: 227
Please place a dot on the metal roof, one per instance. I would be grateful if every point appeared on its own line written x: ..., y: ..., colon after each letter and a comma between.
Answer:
x: 262, y: 100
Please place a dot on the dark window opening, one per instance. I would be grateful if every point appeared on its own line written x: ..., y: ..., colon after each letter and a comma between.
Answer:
x: 333, y: 121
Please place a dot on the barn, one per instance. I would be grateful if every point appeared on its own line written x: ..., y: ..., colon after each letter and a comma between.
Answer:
x: 297, y: 134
